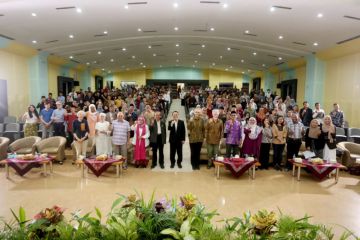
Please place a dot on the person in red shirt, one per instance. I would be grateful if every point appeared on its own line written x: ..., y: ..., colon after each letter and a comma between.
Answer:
x: 70, y: 118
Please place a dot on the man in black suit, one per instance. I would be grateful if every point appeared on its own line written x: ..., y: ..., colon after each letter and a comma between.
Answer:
x: 157, y: 139
x: 306, y: 114
x: 177, y: 138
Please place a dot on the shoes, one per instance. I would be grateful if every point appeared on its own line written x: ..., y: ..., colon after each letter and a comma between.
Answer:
x: 162, y: 166
x: 179, y: 165
x: 61, y: 163
x: 153, y: 166
x: 172, y: 165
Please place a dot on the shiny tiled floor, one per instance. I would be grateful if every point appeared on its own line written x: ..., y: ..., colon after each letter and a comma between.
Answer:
x: 329, y: 203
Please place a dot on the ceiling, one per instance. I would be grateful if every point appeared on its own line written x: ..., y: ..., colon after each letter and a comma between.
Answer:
x: 233, y: 35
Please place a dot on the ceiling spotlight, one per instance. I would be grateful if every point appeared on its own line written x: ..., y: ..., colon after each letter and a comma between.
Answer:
x: 176, y: 5
x: 94, y: 62
x: 226, y: 69
x: 126, y: 6
x: 78, y: 10
x: 264, y: 65
x: 133, y: 57
x: 228, y: 48
x: 103, y: 69
x: 34, y: 41
x: 139, y: 30
x: 221, y: 57
x: 105, y: 32
x: 33, y: 14
x: 230, y: 67
x: 177, y: 45
x: 247, y: 31
x: 243, y: 72
x: 111, y: 60
x: 203, y: 45
x: 71, y: 36
x: 71, y: 57
x: 144, y: 66
x: 320, y: 15
x: 141, y: 63
x: 199, y: 54
x: 280, y: 58
x: 272, y: 9
x: 87, y: 63
x: 315, y: 44
x: 212, y: 29
x: 242, y: 60
x: 195, y: 61
x: 225, y: 5
x: 213, y: 64
x: 124, y: 49
x: 176, y: 28
x: 254, y: 53
x: 149, y: 46
x: 177, y: 53
x: 99, y: 52
x: 154, y: 54
x: 281, y: 37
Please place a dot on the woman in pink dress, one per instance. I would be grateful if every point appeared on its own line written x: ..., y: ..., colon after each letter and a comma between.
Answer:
x: 140, y: 141
x: 253, y: 137
x: 92, y: 118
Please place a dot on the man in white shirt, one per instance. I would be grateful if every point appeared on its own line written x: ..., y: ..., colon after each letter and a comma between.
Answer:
x: 318, y: 113
x: 294, y: 140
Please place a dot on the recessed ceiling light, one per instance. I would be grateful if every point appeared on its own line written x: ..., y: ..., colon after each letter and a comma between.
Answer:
x: 315, y: 44
x: 34, y: 41
x: 212, y: 29
x: 280, y: 58
x: 199, y: 54
x: 34, y: 14
x: 87, y: 63
x: 126, y: 6
x: 195, y: 61
x: 133, y: 57
x: 177, y: 53
x: 71, y: 57
x: 230, y: 67
x: 221, y: 57
x: 99, y: 52
x: 177, y: 45
x: 94, y: 62
x: 105, y: 32
x: 225, y: 5
x: 71, y: 36
x: 176, y: 28
x: 243, y: 72
x: 124, y: 49
x: 320, y: 15
x: 111, y: 60
x: 264, y: 65
x: 242, y: 60
x: 247, y: 31
x: 272, y: 9
x: 175, y: 5
x: 226, y: 69
x: 103, y: 69
x: 149, y: 46
x: 141, y: 63
x: 281, y: 37
x: 213, y: 64
x: 139, y: 29
x: 144, y: 66
x: 154, y: 54
x: 254, y: 53
x: 228, y: 48
x: 79, y: 10
x: 203, y: 45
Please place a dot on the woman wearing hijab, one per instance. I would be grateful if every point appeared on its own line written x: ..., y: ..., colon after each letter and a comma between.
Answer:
x: 279, y: 132
x: 92, y: 118
x: 102, y: 140
x: 31, y: 118
x: 253, y: 137
x: 140, y: 141
x: 260, y: 116
x: 314, y: 140
x: 329, y: 134
x: 265, y: 144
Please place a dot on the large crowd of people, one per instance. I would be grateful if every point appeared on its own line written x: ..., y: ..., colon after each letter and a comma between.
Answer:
x: 249, y: 124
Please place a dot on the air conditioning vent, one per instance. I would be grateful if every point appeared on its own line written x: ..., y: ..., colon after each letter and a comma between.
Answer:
x: 282, y: 7
x: 7, y: 37
x: 80, y: 54
x: 272, y: 56
x: 100, y: 35
x: 157, y: 45
x: 200, y: 30
x: 237, y: 49
x: 2, y: 15
x: 300, y: 43
x: 137, y: 3
x: 348, y: 40
x: 52, y: 41
x: 149, y: 31
x: 279, y: 64
x: 351, y: 17
x: 255, y: 64
x: 195, y: 44
x: 250, y: 34
x: 210, y: 2
x: 72, y: 60
x: 65, y: 8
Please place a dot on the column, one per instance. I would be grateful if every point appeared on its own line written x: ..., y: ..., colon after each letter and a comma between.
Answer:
x: 315, y: 78
x: 38, y: 77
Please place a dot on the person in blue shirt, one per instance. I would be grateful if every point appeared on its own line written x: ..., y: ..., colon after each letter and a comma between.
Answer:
x: 46, y: 121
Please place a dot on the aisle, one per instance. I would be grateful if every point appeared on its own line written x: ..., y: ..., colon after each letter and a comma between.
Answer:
x: 186, y: 165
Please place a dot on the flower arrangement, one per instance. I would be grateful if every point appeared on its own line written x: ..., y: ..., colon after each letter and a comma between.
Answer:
x: 133, y: 218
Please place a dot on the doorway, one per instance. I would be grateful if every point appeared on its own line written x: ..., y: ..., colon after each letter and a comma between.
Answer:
x: 99, y: 82
x: 289, y: 88
x: 257, y: 84
x: 65, y: 85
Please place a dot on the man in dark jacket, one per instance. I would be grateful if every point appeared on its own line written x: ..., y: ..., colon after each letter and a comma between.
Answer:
x: 177, y: 138
x: 306, y: 114
x: 157, y: 139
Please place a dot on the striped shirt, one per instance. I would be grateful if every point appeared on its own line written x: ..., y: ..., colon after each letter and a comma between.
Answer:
x: 120, y: 132
x: 295, y: 130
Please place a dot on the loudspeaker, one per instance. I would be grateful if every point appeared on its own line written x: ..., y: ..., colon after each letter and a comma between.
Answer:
x: 278, y: 85
x: 76, y: 83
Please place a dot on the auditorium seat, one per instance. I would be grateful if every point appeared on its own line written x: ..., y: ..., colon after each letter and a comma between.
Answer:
x: 24, y: 145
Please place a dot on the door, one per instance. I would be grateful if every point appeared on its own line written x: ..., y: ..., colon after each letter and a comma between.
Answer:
x: 256, y: 83
x: 289, y: 88
x: 65, y: 85
x: 99, y: 82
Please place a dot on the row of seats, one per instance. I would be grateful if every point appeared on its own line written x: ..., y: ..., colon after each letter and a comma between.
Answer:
x: 15, y: 130
x: 350, y: 134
